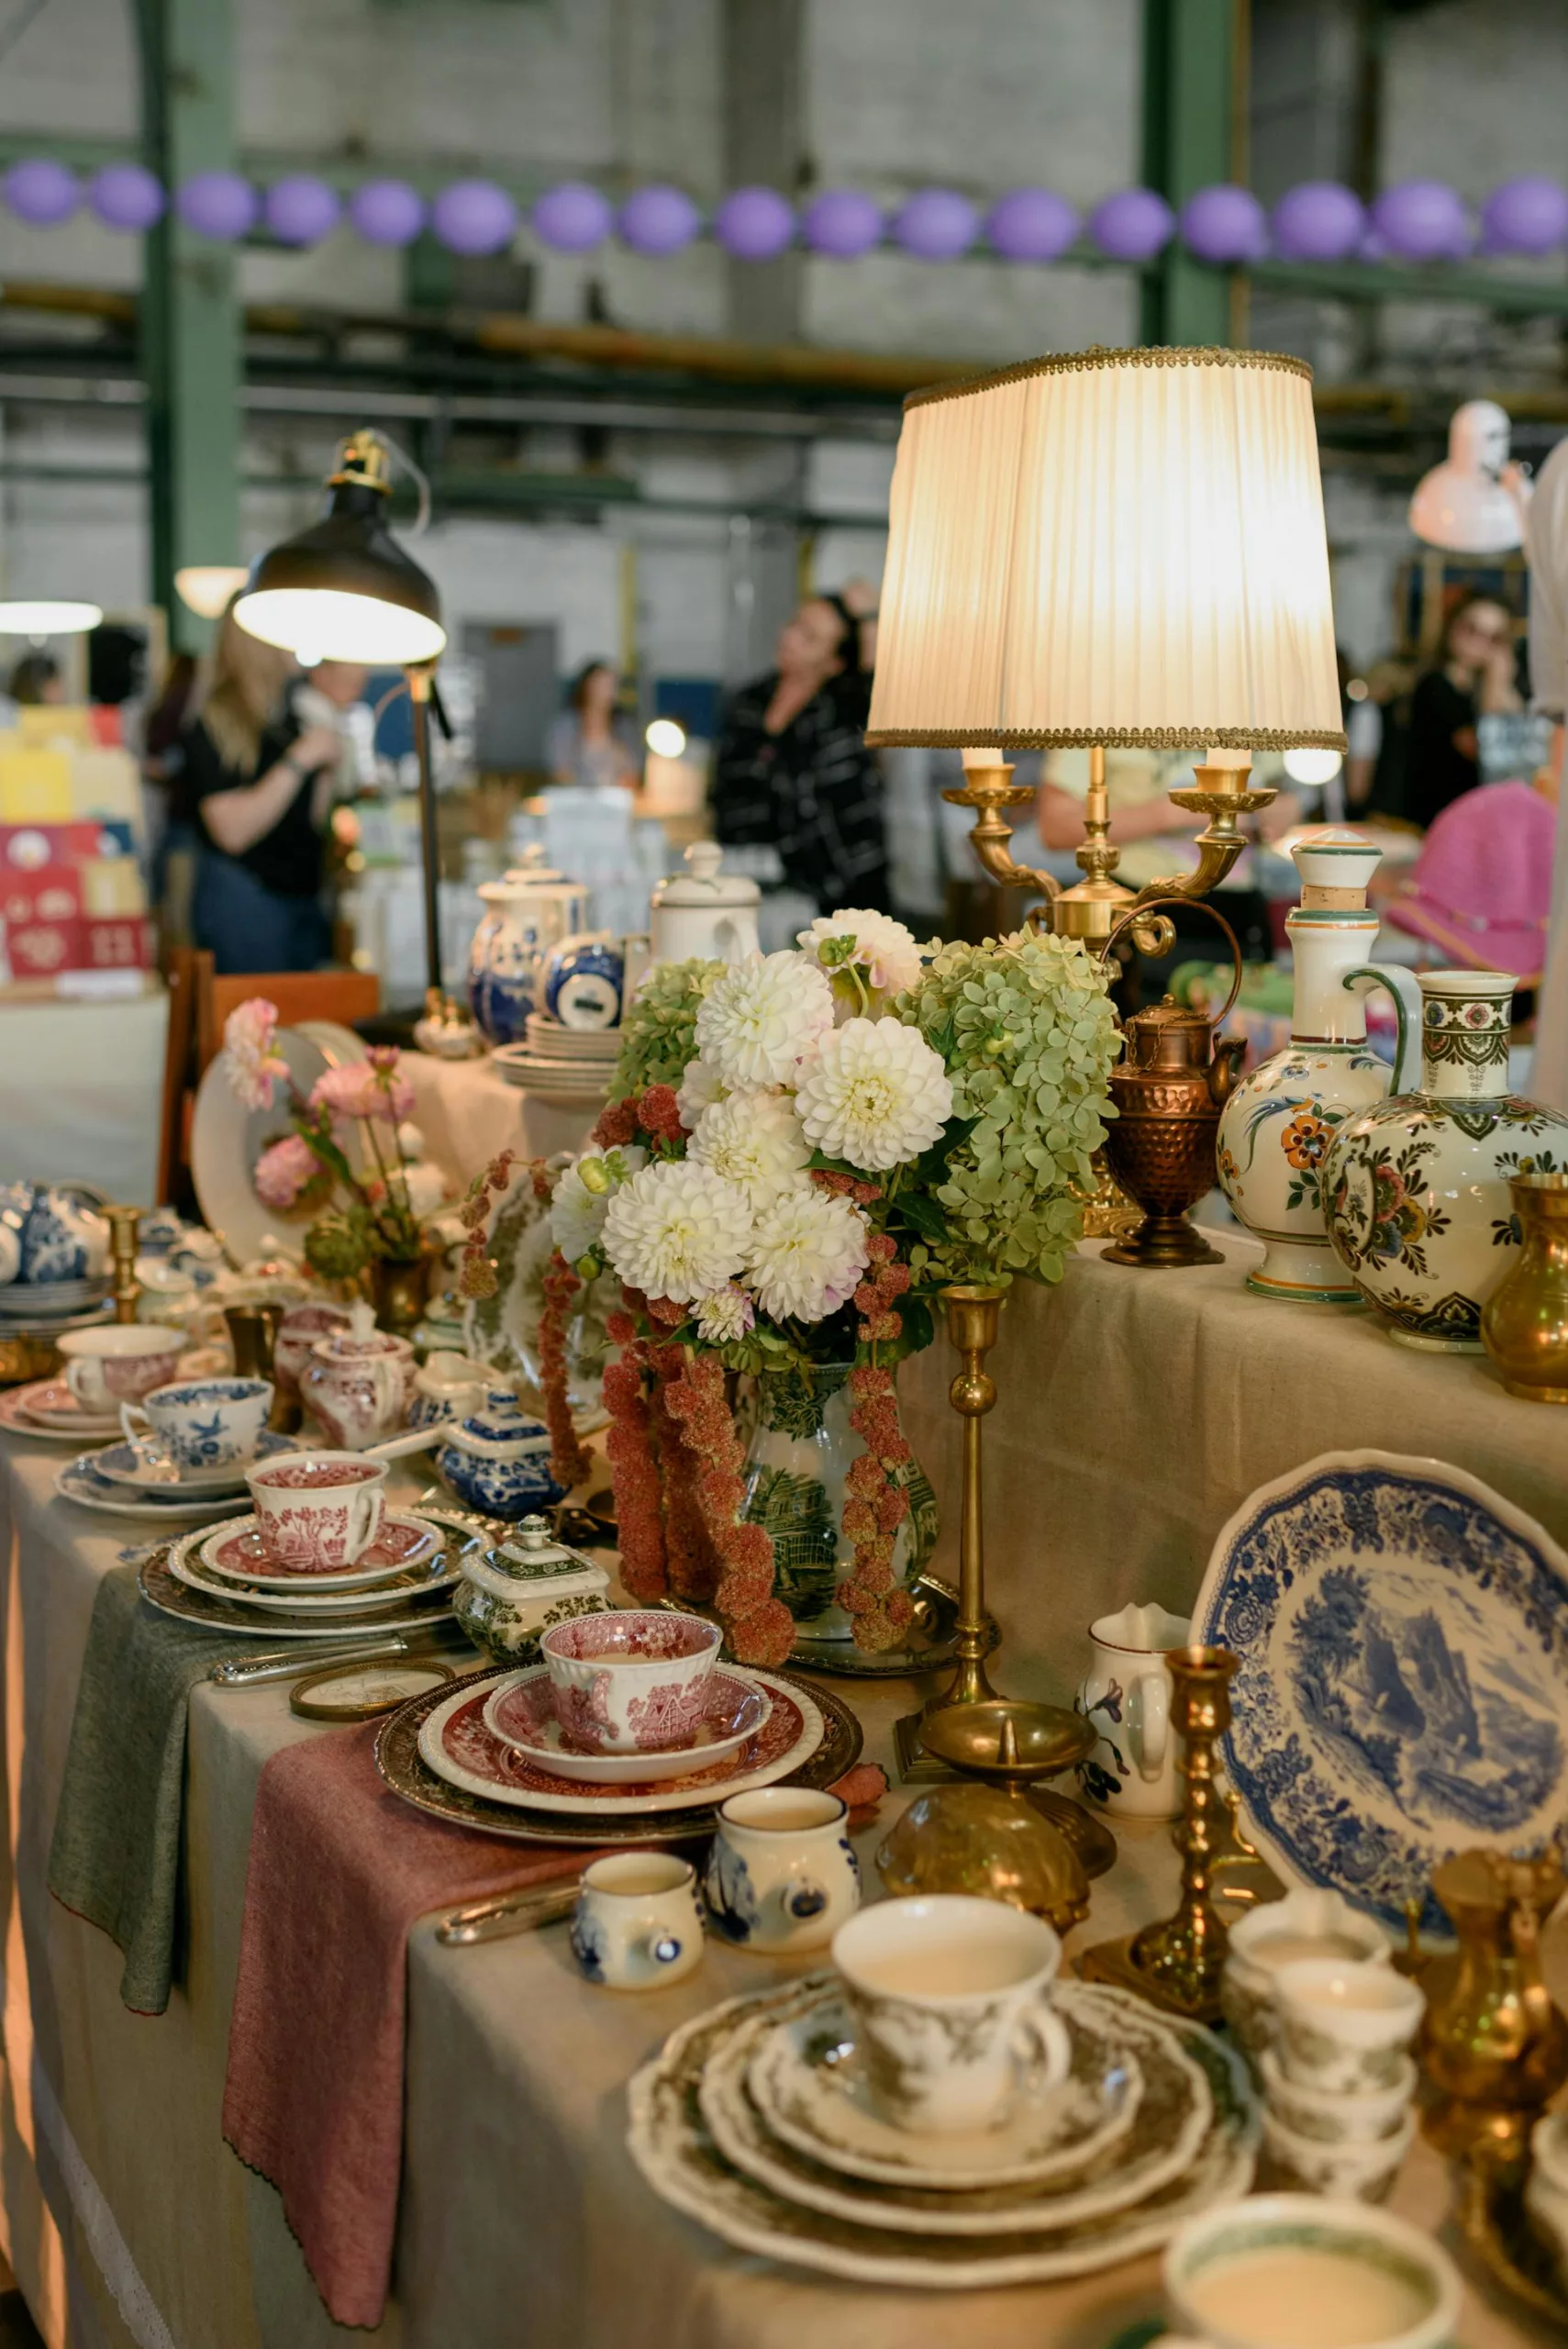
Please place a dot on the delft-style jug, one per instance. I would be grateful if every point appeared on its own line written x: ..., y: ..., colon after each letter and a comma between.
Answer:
x: 1415, y: 1188
x: 1169, y: 1088
x: 1281, y: 1118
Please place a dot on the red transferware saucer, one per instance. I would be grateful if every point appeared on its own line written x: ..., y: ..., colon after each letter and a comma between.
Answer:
x: 522, y: 1714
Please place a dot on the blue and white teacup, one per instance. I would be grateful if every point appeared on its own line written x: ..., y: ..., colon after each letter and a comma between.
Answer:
x: 584, y: 981
x: 201, y: 1422
x: 782, y: 1872
x: 637, y: 1924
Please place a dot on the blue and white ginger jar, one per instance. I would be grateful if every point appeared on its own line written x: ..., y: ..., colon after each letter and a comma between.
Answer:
x: 497, y: 1460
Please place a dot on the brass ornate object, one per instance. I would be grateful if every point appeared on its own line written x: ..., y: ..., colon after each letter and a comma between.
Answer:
x: 1524, y: 1324
x: 1177, y: 1964
x: 978, y: 1839
x: 1169, y: 1088
x: 1493, y: 2043
x: 125, y: 1224
x: 1004, y: 1740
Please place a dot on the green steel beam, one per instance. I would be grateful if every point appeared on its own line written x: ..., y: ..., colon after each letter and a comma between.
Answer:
x: 1189, y: 66
x: 192, y: 329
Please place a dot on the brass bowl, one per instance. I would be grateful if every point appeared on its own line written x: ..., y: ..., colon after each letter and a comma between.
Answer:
x: 1047, y: 1739
x: 989, y: 1843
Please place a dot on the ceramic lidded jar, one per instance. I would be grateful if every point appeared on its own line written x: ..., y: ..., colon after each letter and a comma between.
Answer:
x: 447, y: 1386
x: 358, y: 1381
x: 527, y: 912
x: 496, y: 1460
x: 1415, y: 1188
x: 705, y: 911
x: 511, y: 1593
x: 1281, y: 1118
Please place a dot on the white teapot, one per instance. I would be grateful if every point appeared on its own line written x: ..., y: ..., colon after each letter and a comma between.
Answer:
x: 704, y: 911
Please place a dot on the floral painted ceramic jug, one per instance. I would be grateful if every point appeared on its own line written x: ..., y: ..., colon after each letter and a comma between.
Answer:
x: 1415, y: 1188
x: 357, y: 1383
x: 1280, y: 1119
x: 1127, y: 1698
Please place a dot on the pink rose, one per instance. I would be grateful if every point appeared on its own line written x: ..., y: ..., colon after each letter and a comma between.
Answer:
x: 282, y: 1171
x: 250, y: 1065
x: 362, y: 1090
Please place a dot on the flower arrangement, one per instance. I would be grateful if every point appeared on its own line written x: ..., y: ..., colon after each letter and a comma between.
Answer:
x: 800, y: 1151
x: 360, y: 1218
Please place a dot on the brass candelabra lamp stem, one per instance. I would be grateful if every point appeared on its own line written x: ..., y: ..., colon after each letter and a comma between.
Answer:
x: 125, y: 1224
x: 1176, y: 1963
x: 973, y: 1316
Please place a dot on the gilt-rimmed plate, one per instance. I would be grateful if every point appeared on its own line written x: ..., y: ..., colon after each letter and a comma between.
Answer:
x: 672, y: 2146
x: 801, y: 2078
x: 424, y: 1568
x: 236, y: 1553
x: 457, y: 1746
x: 521, y: 1712
x: 1124, y: 2067
x: 1403, y: 1688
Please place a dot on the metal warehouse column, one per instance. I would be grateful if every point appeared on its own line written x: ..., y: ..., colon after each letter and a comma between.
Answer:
x: 1193, y: 54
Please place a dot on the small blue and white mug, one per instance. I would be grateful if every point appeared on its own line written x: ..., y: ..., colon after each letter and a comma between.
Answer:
x: 201, y: 1422
x: 584, y: 981
x: 637, y: 1924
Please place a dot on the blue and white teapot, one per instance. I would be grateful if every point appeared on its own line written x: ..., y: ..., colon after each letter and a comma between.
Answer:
x: 55, y: 1235
x: 497, y: 1459
x: 529, y: 912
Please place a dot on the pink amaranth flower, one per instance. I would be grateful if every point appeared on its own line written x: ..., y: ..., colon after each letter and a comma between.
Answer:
x: 251, y: 1065
x: 363, y: 1089
x: 282, y: 1171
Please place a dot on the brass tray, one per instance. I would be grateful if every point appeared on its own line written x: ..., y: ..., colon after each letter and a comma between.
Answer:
x: 401, y: 1764
x: 936, y: 1640
x: 1499, y: 2230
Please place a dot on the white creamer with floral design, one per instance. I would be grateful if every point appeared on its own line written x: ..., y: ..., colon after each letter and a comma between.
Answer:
x: 1280, y: 1119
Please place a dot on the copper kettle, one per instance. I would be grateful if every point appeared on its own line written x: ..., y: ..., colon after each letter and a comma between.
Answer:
x: 1174, y: 1080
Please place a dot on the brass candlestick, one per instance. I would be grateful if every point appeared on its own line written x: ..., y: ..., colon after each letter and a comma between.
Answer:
x: 1006, y: 1741
x: 125, y: 1224
x: 1176, y: 1963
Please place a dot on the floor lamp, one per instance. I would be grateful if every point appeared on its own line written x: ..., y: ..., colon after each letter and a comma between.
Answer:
x: 345, y: 590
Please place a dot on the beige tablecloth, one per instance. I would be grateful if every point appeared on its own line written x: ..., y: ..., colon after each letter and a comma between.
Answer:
x: 1136, y: 1408
x: 80, y: 1088
x: 467, y: 1112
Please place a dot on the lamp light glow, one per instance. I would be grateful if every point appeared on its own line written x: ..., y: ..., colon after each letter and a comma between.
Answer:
x: 666, y: 737
x: 43, y: 618
x: 1312, y: 768
x: 329, y: 624
x: 344, y: 589
x: 205, y: 588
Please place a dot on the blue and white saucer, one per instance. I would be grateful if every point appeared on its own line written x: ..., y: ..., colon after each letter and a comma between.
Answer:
x: 1402, y: 1691
x: 123, y: 1463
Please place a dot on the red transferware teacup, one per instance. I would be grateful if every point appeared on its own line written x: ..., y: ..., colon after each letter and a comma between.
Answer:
x: 316, y: 1511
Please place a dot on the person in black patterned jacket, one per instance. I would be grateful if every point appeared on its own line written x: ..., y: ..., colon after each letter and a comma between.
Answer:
x: 792, y: 770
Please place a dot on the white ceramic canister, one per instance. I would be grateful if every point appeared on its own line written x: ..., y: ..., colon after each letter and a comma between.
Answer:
x: 1278, y: 1123
x: 527, y: 912
x: 781, y: 1874
x: 1126, y: 1696
x: 705, y: 911
x: 1416, y: 1195
x: 637, y: 1924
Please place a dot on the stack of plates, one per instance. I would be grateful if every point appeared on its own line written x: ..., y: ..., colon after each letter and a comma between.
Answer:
x: 547, y: 1040
x: 750, y: 2122
x: 570, y: 1066
x: 224, y: 1580
x: 119, y: 1481
x: 485, y: 1755
x: 47, y: 1409
x: 44, y: 1303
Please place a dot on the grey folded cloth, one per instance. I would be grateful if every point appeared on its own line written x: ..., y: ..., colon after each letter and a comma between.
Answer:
x: 118, y: 1837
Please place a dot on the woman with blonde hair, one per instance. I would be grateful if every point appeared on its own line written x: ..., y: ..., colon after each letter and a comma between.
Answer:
x: 249, y: 782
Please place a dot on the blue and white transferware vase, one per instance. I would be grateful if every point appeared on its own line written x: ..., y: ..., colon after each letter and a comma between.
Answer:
x: 526, y: 914
x: 1280, y: 1119
x: 585, y: 981
x: 497, y: 1460
x: 1415, y: 1188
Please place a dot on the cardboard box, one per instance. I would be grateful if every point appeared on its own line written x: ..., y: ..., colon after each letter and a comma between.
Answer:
x: 35, y: 787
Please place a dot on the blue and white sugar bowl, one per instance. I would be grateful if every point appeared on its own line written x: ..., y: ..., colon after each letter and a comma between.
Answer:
x: 584, y: 981
x: 497, y: 1459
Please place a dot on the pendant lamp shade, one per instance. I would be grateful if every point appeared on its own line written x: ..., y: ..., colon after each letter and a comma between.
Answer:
x: 48, y: 616
x: 1111, y: 547
x: 344, y: 589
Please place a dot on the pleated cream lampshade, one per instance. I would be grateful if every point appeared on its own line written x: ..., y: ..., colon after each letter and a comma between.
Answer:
x: 1117, y: 547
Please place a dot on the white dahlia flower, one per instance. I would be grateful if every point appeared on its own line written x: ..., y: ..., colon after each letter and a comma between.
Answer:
x: 755, y: 1140
x: 725, y: 1316
x: 807, y: 1253
x: 700, y: 1088
x: 677, y: 1230
x: 583, y: 1197
x: 856, y: 944
x: 763, y: 1018
x: 875, y: 1095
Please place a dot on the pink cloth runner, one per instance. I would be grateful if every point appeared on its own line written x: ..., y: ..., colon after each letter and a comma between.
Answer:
x: 339, y: 1869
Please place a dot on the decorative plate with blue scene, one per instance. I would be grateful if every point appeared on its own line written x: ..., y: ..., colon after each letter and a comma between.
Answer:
x: 1402, y: 1691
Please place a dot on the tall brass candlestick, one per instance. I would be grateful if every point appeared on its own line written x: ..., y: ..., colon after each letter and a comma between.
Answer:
x: 1178, y: 1963
x: 973, y: 1315
x: 125, y: 1224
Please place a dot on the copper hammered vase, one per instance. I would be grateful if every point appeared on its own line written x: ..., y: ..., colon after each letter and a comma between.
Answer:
x: 1524, y: 1324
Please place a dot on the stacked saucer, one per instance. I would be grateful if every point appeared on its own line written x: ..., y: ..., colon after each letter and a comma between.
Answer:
x: 47, y: 1409
x: 42, y: 1304
x: 120, y: 1481
x: 225, y: 1581
x: 751, y: 2120
x: 567, y: 1065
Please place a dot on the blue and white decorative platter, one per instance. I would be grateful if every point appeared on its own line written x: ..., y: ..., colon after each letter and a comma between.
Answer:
x: 1402, y: 1691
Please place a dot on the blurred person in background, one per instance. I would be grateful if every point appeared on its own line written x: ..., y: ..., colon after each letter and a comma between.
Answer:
x: 590, y: 742
x: 37, y: 680
x: 1477, y: 672
x: 1378, y: 727
x: 791, y: 768
x: 259, y: 788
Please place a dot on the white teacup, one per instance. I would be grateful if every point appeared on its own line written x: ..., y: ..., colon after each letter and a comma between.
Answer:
x: 1363, y: 2169
x: 782, y: 1872
x: 117, y: 1361
x: 948, y: 2000
x: 1294, y: 2271
x: 637, y: 1924
x: 317, y: 1512
x: 1308, y: 1922
x: 1345, y: 2022
x: 1341, y: 2116
x: 201, y: 1422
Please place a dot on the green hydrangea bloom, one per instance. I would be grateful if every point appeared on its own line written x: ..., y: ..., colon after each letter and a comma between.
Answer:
x: 1025, y: 1029
x: 659, y: 1033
